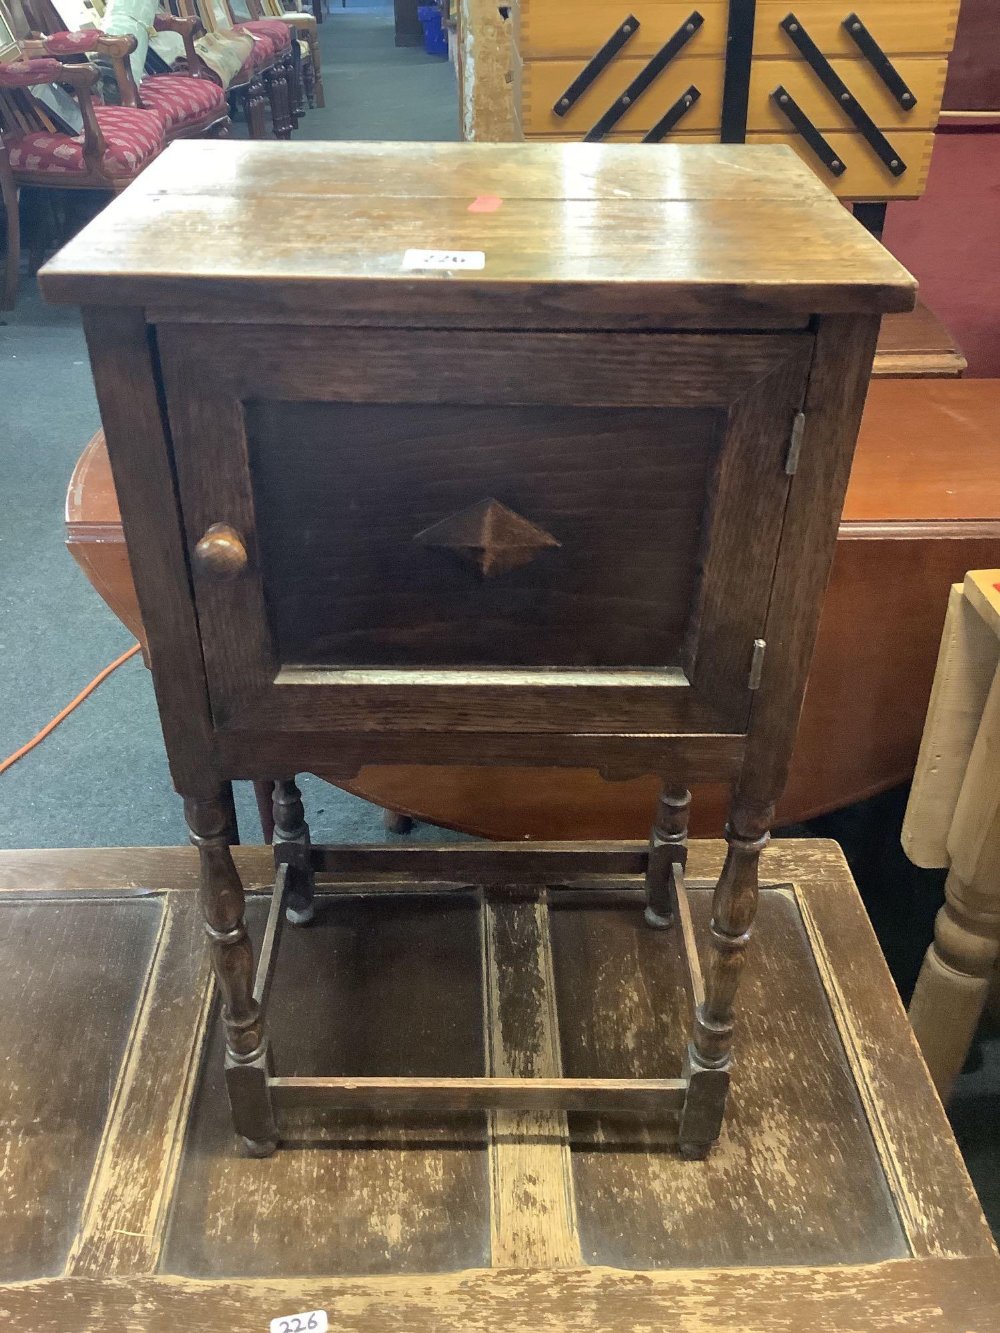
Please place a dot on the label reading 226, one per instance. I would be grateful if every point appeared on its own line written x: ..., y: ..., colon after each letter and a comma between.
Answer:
x: 414, y: 260
x: 310, y: 1321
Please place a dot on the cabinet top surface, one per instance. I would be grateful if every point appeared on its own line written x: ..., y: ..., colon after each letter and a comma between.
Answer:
x: 617, y: 233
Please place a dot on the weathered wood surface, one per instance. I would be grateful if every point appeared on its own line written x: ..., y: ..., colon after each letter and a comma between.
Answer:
x: 939, y: 1296
x: 836, y: 1157
x: 579, y: 235
x: 133, y: 1179
x: 73, y: 981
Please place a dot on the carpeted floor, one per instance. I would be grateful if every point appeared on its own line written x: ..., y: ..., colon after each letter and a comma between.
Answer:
x: 101, y: 778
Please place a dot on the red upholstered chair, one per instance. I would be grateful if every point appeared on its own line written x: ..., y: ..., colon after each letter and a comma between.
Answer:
x: 115, y: 144
x: 188, y: 104
x: 274, y: 59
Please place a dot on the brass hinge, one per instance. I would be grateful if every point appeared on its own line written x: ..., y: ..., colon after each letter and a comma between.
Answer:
x: 795, y: 444
x: 756, y: 664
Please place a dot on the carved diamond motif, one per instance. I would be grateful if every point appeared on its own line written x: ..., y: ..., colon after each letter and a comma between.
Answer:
x: 489, y: 536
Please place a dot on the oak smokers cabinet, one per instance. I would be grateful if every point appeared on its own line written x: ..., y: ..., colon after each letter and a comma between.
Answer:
x: 569, y: 502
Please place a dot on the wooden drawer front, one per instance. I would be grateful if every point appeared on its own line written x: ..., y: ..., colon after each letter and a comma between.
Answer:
x: 581, y: 536
x: 924, y: 76
x: 901, y: 27
x: 866, y: 176
x: 542, y: 83
x: 376, y: 562
x: 560, y: 29
x: 576, y: 29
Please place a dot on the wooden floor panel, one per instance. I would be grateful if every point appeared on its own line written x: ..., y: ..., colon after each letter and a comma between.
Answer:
x: 73, y: 975
x: 835, y: 1199
x: 795, y: 1178
x: 376, y: 986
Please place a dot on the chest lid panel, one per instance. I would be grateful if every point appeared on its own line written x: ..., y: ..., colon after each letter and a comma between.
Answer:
x: 571, y: 235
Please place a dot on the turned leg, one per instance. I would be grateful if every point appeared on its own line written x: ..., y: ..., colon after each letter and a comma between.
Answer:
x: 667, y: 847
x: 734, y: 906
x: 9, y: 194
x: 222, y: 904
x: 253, y: 109
x: 396, y: 823
x: 957, y: 972
x: 263, y: 792
x: 291, y: 830
x: 297, y: 82
x: 277, y: 92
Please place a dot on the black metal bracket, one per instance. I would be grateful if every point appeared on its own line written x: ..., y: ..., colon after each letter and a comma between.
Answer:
x: 842, y: 95
x: 801, y: 123
x: 645, y: 77
x: 879, y: 61
x: 670, y: 118
x: 739, y: 58
x: 596, y: 65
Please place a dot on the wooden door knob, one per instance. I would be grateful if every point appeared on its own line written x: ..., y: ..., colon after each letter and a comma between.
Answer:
x: 221, y: 553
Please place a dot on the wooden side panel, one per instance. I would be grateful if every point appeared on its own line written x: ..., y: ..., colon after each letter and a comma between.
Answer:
x: 796, y: 1123
x: 835, y: 399
x: 135, y: 1174
x: 532, y: 1201
x: 359, y: 992
x: 74, y: 973
x: 126, y: 378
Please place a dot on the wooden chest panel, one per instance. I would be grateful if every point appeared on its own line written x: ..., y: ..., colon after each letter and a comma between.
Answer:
x: 542, y: 83
x: 923, y: 75
x: 545, y: 507
x: 348, y: 581
x: 384, y: 531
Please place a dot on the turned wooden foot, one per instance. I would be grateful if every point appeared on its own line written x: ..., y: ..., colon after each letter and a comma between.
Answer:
x: 667, y: 847
x: 734, y: 906
x: 955, y: 978
x: 292, y: 831
x: 222, y: 904
x: 396, y: 823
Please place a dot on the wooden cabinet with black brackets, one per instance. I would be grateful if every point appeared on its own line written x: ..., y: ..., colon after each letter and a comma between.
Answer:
x: 538, y: 458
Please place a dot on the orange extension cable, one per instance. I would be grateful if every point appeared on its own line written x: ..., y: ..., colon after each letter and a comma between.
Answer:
x: 64, y: 713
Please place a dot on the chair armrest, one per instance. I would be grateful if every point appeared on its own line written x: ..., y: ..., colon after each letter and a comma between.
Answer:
x: 81, y: 78
x: 116, y: 48
x: 24, y: 73
x: 305, y: 24
x: 187, y: 29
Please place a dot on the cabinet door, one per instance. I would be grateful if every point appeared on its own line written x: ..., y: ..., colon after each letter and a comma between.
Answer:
x: 433, y: 531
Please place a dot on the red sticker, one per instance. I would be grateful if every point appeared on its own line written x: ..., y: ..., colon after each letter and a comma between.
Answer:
x: 485, y: 203
x: 997, y: 586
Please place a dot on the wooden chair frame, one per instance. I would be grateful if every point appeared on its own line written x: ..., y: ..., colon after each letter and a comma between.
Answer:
x: 275, y: 78
x: 12, y: 260
x: 304, y: 26
x: 82, y: 79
